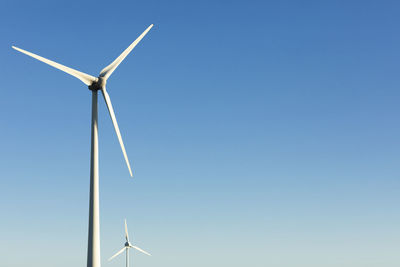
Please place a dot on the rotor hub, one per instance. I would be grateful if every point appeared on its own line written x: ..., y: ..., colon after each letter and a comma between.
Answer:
x: 98, y: 84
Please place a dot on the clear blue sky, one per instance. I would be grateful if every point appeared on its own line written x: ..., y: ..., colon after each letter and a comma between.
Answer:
x: 261, y: 134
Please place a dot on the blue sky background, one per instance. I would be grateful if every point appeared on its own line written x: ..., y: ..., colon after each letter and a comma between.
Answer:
x: 261, y: 133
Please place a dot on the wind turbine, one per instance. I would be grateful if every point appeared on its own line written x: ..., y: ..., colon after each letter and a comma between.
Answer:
x: 126, y: 248
x: 95, y: 84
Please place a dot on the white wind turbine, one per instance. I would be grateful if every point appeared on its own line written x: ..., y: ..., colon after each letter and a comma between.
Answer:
x: 128, y: 246
x: 95, y: 84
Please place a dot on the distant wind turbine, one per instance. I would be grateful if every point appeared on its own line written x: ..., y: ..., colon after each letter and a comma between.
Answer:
x: 95, y: 84
x: 128, y: 246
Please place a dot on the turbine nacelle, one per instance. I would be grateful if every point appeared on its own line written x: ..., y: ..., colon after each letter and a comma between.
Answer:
x: 98, y: 84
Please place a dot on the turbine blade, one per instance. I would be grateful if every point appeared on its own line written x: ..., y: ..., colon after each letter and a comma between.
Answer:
x: 107, y: 71
x: 126, y: 232
x: 116, y: 254
x: 141, y: 250
x: 86, y: 78
x: 114, y: 121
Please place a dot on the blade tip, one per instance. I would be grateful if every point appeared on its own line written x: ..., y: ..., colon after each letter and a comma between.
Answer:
x: 129, y: 168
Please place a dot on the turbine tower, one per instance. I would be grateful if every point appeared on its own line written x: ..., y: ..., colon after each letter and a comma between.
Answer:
x: 95, y: 84
x: 128, y: 246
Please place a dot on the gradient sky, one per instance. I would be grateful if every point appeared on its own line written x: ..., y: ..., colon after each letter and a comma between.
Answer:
x: 261, y: 133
